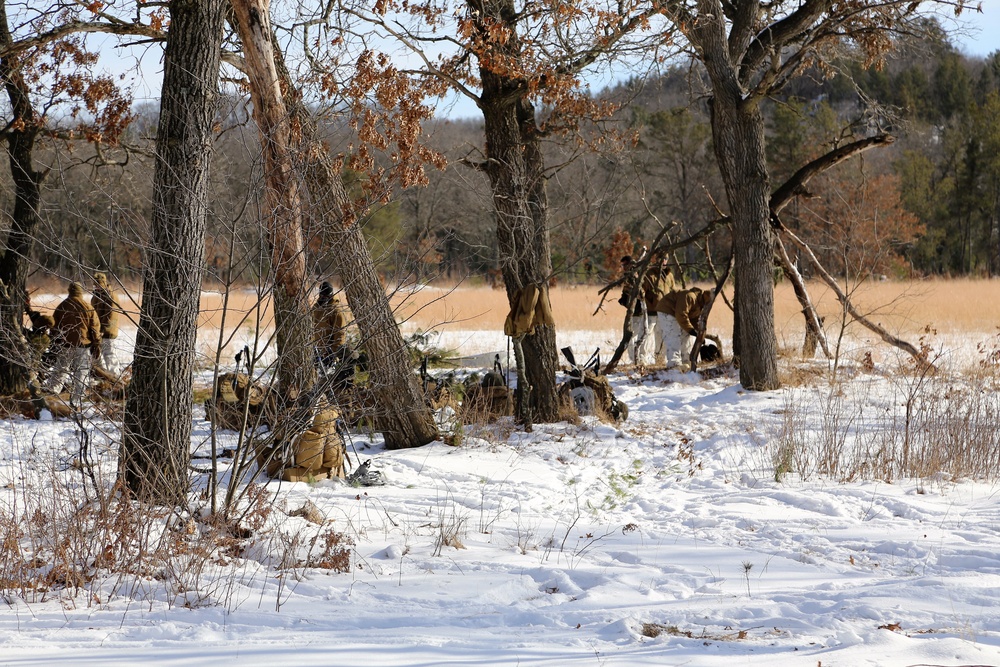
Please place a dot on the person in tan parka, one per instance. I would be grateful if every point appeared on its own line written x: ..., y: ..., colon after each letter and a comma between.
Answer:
x: 646, y: 336
x: 105, y: 304
x: 679, y: 313
x: 77, y: 338
x: 330, y: 326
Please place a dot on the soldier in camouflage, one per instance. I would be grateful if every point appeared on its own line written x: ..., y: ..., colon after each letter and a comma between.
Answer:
x: 646, y: 336
x: 77, y: 339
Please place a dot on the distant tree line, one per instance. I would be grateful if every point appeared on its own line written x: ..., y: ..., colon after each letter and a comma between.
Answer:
x: 929, y: 204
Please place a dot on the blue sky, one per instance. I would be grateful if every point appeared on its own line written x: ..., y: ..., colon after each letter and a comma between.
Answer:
x: 982, y: 37
x: 984, y: 28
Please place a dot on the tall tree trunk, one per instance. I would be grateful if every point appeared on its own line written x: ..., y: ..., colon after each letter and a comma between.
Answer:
x: 20, y: 135
x: 403, y: 418
x: 283, y: 202
x: 541, y: 357
x: 156, y: 437
x: 515, y: 166
x: 738, y: 134
x: 738, y: 131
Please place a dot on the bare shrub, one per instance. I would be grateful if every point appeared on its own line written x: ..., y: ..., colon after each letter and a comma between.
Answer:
x: 62, y: 538
x: 925, y: 424
x: 335, y: 552
x: 451, y: 529
x: 788, y: 442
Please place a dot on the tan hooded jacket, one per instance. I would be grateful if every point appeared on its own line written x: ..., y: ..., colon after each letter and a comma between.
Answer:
x: 685, y: 306
x: 657, y: 283
x: 76, y: 323
x: 105, y: 304
x: 330, y: 324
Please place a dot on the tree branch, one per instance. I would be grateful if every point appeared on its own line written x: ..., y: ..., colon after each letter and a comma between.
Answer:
x: 795, y: 185
x: 116, y: 28
x: 781, y: 33
x: 918, y: 356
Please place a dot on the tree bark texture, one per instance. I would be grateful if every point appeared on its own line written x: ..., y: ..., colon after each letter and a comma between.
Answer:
x: 156, y: 434
x: 515, y: 167
x: 738, y: 134
x: 282, y: 198
x: 403, y: 418
x: 20, y: 136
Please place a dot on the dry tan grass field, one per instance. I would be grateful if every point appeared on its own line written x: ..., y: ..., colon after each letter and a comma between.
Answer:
x: 950, y: 306
x: 904, y: 308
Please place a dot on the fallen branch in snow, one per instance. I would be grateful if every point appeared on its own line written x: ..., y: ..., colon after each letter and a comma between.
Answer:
x: 813, y: 325
x: 918, y: 355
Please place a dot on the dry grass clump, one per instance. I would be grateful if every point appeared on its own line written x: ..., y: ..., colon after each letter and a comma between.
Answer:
x: 801, y: 374
x: 922, y: 424
x: 67, y: 534
x: 334, y: 555
x: 568, y: 413
x: 904, y: 308
x: 653, y: 630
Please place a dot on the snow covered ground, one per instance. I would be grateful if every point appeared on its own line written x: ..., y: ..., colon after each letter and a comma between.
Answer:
x: 571, y: 545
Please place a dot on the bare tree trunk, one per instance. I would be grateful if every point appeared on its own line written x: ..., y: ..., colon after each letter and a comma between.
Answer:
x: 20, y: 135
x: 738, y: 134
x: 403, y: 418
x: 283, y: 202
x: 739, y: 146
x: 515, y: 167
x: 156, y: 434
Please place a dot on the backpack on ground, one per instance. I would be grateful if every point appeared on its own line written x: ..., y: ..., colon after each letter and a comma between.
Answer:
x: 589, y: 392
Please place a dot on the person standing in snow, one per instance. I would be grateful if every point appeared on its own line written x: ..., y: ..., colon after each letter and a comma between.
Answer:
x: 105, y: 304
x: 77, y: 338
x: 330, y: 326
x: 656, y: 283
x: 679, y: 313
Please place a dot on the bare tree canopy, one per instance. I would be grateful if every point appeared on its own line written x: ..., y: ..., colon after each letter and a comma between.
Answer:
x: 750, y: 50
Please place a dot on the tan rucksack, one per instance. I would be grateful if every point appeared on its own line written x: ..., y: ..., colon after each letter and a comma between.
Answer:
x: 234, y: 390
x: 318, y: 452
